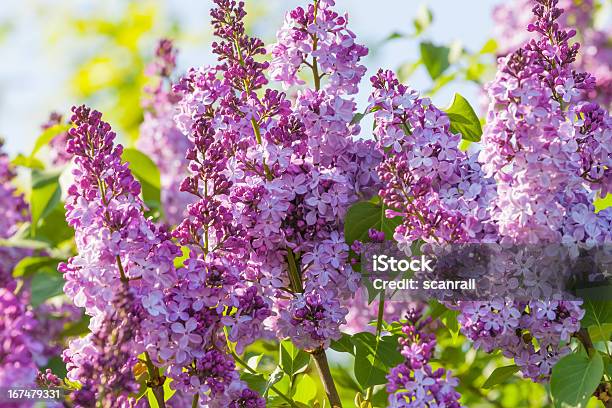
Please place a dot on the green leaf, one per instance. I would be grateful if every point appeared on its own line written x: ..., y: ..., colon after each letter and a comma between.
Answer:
x: 343, y: 345
x: 254, y: 361
x: 147, y: 173
x: 601, y: 333
x: 597, y: 319
x: 306, y: 389
x: 292, y: 359
x: 53, y: 228
x: 30, y: 265
x: 45, y: 286
x: 367, y: 373
x: 49, y: 134
x: 574, y: 379
x: 463, y: 119
x: 256, y: 382
x: 45, y: 195
x: 449, y: 319
x: 78, y: 328
x: 274, y: 378
x: 373, y: 359
x: 364, y: 215
x: 435, y: 58
x: 168, y: 391
x: 24, y: 243
x: 151, y: 398
x: 423, y: 19
x: 393, y: 36
x: 29, y: 162
x: 596, y: 313
x: 490, y: 47
x: 500, y: 375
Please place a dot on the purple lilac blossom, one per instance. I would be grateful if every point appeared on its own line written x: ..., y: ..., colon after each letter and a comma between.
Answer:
x: 511, y: 18
x: 276, y: 180
x: 545, y: 155
x: 318, y: 37
x: 159, y: 137
x: 414, y: 383
x: 19, y: 348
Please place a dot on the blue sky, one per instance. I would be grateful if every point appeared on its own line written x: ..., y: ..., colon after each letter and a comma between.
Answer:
x: 33, y: 75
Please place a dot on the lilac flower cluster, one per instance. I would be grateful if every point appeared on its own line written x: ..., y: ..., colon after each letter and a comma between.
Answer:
x: 513, y: 326
x: 549, y: 151
x: 438, y: 189
x: 19, y: 349
x: 103, y: 362
x: 116, y: 244
x: 121, y: 257
x: 545, y: 154
x: 274, y: 181
x: 511, y: 18
x: 414, y: 383
x: 159, y: 137
x: 317, y: 37
x: 14, y: 212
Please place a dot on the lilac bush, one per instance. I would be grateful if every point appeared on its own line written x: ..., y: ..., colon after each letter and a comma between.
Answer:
x: 270, y: 192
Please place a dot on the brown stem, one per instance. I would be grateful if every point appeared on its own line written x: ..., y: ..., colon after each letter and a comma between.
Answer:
x: 585, y: 339
x: 320, y: 359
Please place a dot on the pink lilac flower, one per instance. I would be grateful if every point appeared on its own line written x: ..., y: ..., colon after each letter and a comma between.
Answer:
x: 548, y: 152
x: 414, y: 383
x: 159, y: 137
x: 103, y: 361
x: 439, y: 190
x: 122, y: 257
x: 317, y: 37
x: 511, y: 19
x: 274, y: 181
x: 19, y: 348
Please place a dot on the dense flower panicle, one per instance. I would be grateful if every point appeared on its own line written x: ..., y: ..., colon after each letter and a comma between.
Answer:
x: 511, y: 19
x: 414, y: 383
x: 236, y: 51
x: 103, y: 361
x: 116, y: 243
x: 274, y: 182
x: 14, y: 212
x: 318, y: 37
x: 549, y: 151
x: 164, y: 63
x: 159, y: 137
x: 535, y: 333
x: 439, y: 190
x: 20, y: 350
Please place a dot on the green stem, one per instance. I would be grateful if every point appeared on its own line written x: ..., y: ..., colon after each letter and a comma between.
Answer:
x: 272, y: 387
x: 379, y: 322
x: 196, y: 399
x: 315, y: 40
x: 294, y: 273
x: 156, y: 383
